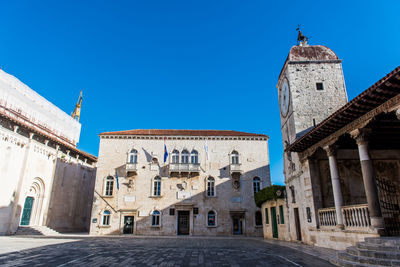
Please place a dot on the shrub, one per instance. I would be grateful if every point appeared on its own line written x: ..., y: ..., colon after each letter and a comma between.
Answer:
x: 269, y: 193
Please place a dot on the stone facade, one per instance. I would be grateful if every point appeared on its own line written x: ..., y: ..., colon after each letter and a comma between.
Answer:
x: 185, y: 189
x: 45, y: 179
x: 275, y: 219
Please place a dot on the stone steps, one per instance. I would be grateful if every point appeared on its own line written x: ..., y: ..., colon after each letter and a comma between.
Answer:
x: 382, y: 251
x: 36, y: 230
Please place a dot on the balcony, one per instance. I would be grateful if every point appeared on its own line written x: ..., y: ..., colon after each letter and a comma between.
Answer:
x: 131, y: 167
x: 184, y: 167
x: 235, y: 168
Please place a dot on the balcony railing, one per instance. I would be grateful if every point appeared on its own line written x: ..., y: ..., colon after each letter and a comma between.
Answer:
x: 131, y: 167
x: 354, y: 216
x: 236, y: 168
x: 184, y: 167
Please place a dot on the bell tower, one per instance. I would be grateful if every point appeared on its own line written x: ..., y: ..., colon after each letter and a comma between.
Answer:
x: 310, y: 88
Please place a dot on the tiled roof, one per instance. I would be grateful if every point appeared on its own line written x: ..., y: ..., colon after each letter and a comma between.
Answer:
x: 183, y: 133
x: 311, y: 53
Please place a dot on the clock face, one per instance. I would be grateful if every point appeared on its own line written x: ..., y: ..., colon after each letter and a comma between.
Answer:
x: 284, y: 98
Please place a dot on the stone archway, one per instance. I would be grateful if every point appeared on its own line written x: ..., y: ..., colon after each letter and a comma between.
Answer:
x: 33, y: 207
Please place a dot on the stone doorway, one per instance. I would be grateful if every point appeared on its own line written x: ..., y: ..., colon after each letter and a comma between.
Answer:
x: 33, y: 208
x: 237, y: 226
x: 128, y: 225
x: 297, y: 223
x: 183, y: 222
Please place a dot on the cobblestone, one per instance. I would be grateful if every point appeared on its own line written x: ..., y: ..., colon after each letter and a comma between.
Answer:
x: 151, y: 251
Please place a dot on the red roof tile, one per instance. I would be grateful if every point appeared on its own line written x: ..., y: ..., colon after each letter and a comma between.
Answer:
x: 183, y: 133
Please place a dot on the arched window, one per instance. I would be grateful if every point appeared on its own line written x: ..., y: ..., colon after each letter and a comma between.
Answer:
x: 210, y: 187
x: 234, y: 157
x: 133, y: 156
x: 106, y: 217
x: 258, y: 218
x: 175, y: 156
x: 185, y: 157
x: 157, y: 186
x: 155, y: 218
x: 154, y: 161
x: 256, y: 184
x: 211, y: 218
x: 108, y: 190
x: 194, y: 157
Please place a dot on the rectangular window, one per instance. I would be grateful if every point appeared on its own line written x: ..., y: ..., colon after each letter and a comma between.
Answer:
x: 157, y: 188
x: 155, y: 220
x: 171, y: 212
x: 109, y: 188
x: 281, y: 214
x: 195, y: 211
x: 320, y: 86
x: 266, y: 216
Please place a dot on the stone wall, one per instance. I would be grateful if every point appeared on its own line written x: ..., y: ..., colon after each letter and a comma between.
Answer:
x: 138, y: 200
x: 283, y: 229
x: 72, y: 197
x: 28, y: 164
x: 309, y: 103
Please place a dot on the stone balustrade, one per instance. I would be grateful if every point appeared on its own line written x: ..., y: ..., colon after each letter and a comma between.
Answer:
x: 184, y: 167
x: 131, y: 166
x: 354, y: 216
x: 327, y: 217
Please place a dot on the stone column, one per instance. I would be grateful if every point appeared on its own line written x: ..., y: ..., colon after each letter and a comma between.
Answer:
x: 337, y: 191
x: 371, y: 190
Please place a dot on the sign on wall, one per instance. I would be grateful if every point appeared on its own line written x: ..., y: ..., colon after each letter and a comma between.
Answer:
x: 183, y: 194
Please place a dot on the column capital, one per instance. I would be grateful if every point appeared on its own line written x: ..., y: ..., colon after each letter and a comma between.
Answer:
x: 361, y: 135
x: 330, y: 150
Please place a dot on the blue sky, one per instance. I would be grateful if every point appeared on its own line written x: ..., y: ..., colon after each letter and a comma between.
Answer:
x: 186, y: 64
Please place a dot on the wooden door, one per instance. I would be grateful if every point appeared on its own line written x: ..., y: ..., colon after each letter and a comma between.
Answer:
x: 274, y: 223
x: 183, y: 222
x: 297, y: 223
x: 26, y: 214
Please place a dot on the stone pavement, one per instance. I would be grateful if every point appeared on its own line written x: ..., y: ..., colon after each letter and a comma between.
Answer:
x: 153, y: 251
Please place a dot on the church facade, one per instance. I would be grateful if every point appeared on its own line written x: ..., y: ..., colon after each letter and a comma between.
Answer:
x: 341, y: 159
x: 179, y: 182
x: 46, y: 180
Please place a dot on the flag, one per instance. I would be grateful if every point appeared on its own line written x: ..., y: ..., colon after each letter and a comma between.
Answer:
x: 206, y: 149
x: 165, y: 151
x: 116, y: 176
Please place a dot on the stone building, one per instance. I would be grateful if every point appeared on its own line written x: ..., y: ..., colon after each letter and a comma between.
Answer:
x: 45, y: 179
x: 205, y: 186
x: 275, y: 219
x: 341, y: 160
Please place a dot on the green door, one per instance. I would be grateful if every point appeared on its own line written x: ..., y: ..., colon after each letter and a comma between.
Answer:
x: 274, y: 223
x: 26, y: 214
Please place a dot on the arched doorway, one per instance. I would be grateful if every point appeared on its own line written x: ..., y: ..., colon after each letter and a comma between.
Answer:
x: 33, y: 203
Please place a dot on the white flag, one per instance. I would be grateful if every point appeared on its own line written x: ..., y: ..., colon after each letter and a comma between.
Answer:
x: 206, y: 149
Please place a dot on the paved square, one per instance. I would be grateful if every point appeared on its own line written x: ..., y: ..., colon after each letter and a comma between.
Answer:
x: 150, y: 251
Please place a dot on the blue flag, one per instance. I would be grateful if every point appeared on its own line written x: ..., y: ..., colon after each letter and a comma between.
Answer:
x: 116, y: 176
x: 165, y: 153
